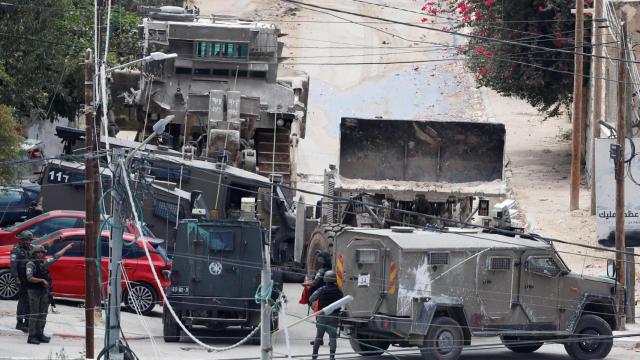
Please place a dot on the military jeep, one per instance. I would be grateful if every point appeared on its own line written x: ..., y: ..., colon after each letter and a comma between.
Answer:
x: 436, y: 289
x: 215, y: 274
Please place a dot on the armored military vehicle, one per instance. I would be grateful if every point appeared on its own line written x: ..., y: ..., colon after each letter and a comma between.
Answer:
x: 215, y: 274
x: 437, y: 289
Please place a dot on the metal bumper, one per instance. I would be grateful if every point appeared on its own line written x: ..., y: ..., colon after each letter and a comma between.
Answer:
x: 391, y: 326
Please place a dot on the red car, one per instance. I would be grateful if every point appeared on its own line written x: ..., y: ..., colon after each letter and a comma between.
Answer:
x: 68, y: 273
x: 52, y: 221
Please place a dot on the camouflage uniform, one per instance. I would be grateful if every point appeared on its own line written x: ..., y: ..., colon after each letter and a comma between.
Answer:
x: 20, y: 255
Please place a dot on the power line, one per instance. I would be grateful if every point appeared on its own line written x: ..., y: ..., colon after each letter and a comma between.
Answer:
x: 456, y: 33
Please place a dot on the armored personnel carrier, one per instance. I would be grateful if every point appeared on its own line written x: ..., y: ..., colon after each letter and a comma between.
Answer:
x: 436, y: 290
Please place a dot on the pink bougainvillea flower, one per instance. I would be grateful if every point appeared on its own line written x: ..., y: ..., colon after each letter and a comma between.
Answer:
x: 489, y: 2
x: 488, y: 54
x: 463, y: 7
x: 466, y: 17
x: 480, y: 50
x: 424, y: 20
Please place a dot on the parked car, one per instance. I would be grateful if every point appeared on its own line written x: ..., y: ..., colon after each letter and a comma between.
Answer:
x: 53, y: 221
x: 68, y: 273
x: 18, y: 203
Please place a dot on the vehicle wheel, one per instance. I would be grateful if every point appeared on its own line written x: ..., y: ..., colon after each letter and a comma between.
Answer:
x: 364, y: 345
x: 142, y: 296
x: 170, y: 328
x: 521, y: 346
x: 443, y: 341
x: 591, y: 327
x: 322, y: 239
x: 8, y: 286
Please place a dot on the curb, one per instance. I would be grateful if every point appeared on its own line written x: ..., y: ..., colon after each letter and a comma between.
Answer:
x: 15, y: 332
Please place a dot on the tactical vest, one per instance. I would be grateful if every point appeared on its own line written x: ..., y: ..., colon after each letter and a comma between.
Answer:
x: 40, y: 271
x: 329, y: 294
x: 22, y: 258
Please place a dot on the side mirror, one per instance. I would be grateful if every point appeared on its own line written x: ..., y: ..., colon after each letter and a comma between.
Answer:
x: 611, y: 269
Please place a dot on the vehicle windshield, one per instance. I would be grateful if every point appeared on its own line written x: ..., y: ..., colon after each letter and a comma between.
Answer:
x: 18, y: 224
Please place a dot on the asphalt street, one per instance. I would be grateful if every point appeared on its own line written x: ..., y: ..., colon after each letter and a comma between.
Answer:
x: 67, y: 328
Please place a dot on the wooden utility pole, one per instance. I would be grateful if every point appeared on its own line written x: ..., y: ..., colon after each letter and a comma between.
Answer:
x: 598, y: 80
x: 576, y: 137
x: 91, y: 208
x: 619, y: 168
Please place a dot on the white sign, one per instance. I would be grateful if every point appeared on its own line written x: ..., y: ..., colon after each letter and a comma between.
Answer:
x: 606, y: 194
x: 363, y: 280
x: 215, y: 268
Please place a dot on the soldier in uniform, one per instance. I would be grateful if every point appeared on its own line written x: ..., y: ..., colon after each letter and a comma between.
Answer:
x: 20, y: 255
x: 326, y: 295
x: 323, y: 263
x: 39, y: 280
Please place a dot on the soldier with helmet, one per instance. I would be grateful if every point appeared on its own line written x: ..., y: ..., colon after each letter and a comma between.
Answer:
x: 327, y: 323
x: 20, y: 255
x: 38, y: 283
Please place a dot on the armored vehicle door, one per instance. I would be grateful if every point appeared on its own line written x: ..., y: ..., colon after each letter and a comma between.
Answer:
x: 540, y: 272
x: 365, y: 275
x: 496, y: 283
x: 223, y: 263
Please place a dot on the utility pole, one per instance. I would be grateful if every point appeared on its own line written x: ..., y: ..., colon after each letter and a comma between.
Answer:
x: 91, y: 208
x: 115, y: 271
x: 596, y: 62
x: 619, y: 168
x: 576, y: 137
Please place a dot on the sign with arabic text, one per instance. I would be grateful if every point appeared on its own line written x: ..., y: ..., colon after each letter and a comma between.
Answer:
x: 606, y: 193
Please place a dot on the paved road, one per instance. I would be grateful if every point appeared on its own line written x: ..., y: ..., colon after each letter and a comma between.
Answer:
x: 68, y: 324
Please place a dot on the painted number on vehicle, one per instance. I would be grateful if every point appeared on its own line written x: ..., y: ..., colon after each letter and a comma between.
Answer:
x: 58, y: 177
x: 363, y: 280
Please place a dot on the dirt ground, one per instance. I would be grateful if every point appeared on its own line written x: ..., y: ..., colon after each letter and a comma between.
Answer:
x: 538, y: 150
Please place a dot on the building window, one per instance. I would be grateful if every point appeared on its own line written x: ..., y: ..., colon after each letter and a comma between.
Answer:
x: 202, y: 49
x: 220, y: 49
x: 220, y: 72
x: 201, y: 71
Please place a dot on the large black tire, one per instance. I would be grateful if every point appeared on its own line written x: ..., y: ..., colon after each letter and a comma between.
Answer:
x: 322, y: 239
x: 8, y: 286
x: 521, y: 346
x: 142, y: 296
x: 443, y: 341
x: 366, y: 346
x: 598, y: 343
x: 170, y: 328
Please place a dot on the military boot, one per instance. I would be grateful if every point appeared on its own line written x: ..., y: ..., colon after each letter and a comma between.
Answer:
x: 43, y: 338
x: 314, y: 355
x: 22, y: 326
x: 33, y: 340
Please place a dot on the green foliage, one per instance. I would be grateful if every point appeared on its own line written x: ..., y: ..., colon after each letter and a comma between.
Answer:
x: 42, y: 43
x: 10, y: 140
x: 542, y: 78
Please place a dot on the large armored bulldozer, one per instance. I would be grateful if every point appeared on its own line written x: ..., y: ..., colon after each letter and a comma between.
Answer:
x: 409, y: 173
x: 229, y: 96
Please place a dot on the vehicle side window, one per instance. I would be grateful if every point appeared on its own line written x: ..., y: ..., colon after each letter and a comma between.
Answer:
x: 57, y: 245
x: 132, y: 252
x: 104, y: 247
x: 78, y: 246
x: 543, y: 265
x: 52, y: 225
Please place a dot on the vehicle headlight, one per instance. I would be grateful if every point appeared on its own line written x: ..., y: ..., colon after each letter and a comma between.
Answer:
x: 166, y: 274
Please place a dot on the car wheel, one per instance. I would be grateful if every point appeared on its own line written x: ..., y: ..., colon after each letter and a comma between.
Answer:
x: 142, y: 297
x: 365, y: 346
x: 443, y: 341
x: 521, y: 346
x: 8, y: 286
x: 597, y: 341
x: 170, y: 328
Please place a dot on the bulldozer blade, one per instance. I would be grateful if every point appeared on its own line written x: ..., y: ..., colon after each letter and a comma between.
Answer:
x: 421, y: 151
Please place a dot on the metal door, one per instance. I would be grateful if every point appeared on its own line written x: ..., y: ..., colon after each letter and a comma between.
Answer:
x: 539, y: 288
x: 496, y: 284
x: 364, y: 275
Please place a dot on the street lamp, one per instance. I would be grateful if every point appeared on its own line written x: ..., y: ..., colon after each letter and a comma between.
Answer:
x: 154, y: 56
